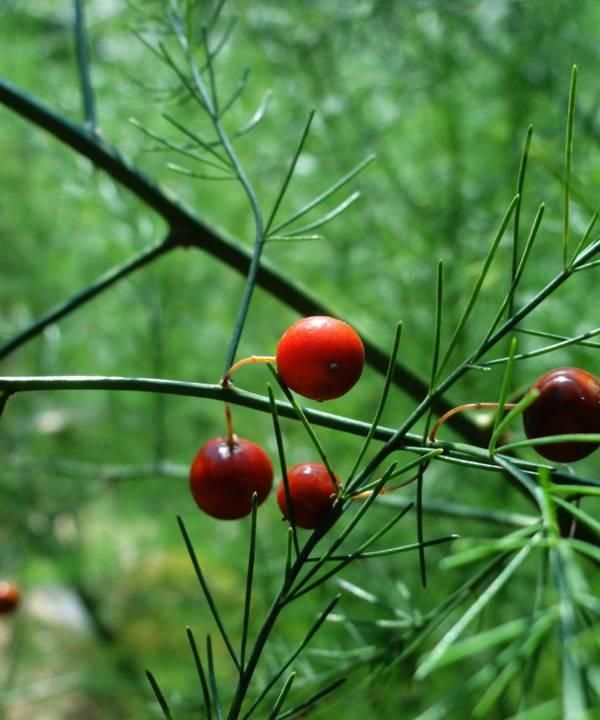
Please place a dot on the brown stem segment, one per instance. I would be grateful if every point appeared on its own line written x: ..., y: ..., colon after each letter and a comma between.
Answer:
x: 461, y: 408
x: 245, y: 361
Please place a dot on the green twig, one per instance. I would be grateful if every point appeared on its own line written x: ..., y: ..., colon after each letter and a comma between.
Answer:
x: 208, y: 595
x: 516, y: 224
x: 249, y: 581
x: 568, y: 161
x: 283, y: 466
x: 159, y: 696
x: 84, y: 68
x: 201, y: 675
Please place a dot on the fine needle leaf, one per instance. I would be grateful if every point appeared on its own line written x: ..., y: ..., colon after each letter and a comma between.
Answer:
x: 304, y: 706
x: 282, y: 696
x: 586, y: 235
x: 338, y: 210
x: 513, y: 541
x: 201, y: 674
x: 256, y: 118
x: 554, y: 336
x: 358, y: 555
x: 504, y: 390
x: 577, y: 339
x: 420, y: 524
x: 485, y: 640
x: 327, y: 193
x: 476, y: 290
x: 289, y: 174
x: 198, y: 140
x: 568, y: 160
x: 159, y: 696
x: 404, y: 469
x: 215, y: 14
x: 288, y: 556
x: 199, y: 176
x: 551, y: 439
x: 289, y: 238
x: 515, y: 244
x: 574, y: 702
x: 283, y: 465
x: 207, y: 593
x: 384, y: 395
x: 304, y: 420
x: 509, y: 298
x: 249, y: 580
x: 579, y: 514
x: 519, y: 408
x: 437, y: 332
x: 236, y: 94
x: 308, y: 637
x: 181, y: 150
x: 189, y: 25
x: 212, y: 678
x: 211, y: 73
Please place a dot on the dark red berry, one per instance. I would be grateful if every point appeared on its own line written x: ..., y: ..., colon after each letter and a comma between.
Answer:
x: 312, y: 492
x: 320, y: 357
x: 10, y: 596
x: 569, y: 402
x: 223, y: 477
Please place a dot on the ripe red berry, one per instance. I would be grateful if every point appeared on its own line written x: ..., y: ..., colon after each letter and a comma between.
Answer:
x: 569, y: 402
x: 223, y: 477
x: 320, y: 357
x: 312, y: 493
x: 10, y: 597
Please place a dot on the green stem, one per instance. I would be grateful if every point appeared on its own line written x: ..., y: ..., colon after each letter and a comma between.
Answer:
x: 83, y: 66
x: 411, y: 442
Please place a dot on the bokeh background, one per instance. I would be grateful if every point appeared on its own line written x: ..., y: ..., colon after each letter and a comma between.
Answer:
x: 443, y: 93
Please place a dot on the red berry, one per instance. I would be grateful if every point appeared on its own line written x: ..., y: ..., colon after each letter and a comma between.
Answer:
x: 569, y: 402
x: 10, y: 597
x: 312, y: 493
x: 320, y: 357
x: 223, y: 477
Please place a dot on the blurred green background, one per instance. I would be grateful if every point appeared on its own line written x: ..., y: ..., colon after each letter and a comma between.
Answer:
x: 443, y: 93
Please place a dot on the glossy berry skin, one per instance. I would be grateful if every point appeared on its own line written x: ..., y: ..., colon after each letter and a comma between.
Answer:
x: 312, y: 494
x: 320, y: 357
x: 223, y: 478
x: 569, y: 402
x: 10, y: 597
